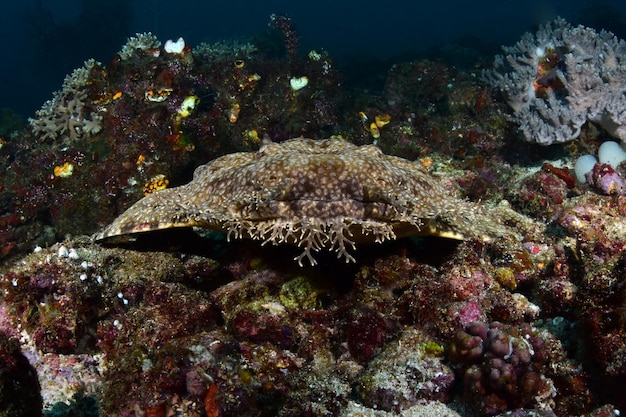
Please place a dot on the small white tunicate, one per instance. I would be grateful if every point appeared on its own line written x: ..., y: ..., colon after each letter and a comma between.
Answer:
x: 82, y: 277
x: 72, y: 254
x: 583, y: 165
x: 611, y: 153
x: 62, y: 252
x: 37, y: 249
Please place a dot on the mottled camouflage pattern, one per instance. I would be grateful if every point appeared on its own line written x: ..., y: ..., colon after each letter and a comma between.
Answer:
x: 313, y: 193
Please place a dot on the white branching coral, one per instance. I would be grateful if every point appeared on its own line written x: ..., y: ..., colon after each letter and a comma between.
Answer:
x: 562, y: 77
x: 143, y: 41
x: 64, y: 117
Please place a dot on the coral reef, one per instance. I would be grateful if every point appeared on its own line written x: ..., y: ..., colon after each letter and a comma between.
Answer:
x: 405, y: 374
x: 80, y: 406
x: 561, y: 77
x: 19, y: 388
x: 236, y: 335
x: 530, y: 323
x: 605, y: 179
x: 543, y: 192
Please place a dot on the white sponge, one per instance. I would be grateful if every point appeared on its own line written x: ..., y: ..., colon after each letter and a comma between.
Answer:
x: 583, y: 165
x: 611, y: 153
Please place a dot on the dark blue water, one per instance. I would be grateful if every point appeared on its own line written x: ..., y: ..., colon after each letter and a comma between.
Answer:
x: 43, y: 40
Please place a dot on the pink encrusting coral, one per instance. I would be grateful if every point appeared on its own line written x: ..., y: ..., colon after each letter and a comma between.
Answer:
x: 605, y: 179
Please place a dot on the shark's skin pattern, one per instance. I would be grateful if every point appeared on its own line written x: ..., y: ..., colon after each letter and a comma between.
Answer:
x: 317, y: 194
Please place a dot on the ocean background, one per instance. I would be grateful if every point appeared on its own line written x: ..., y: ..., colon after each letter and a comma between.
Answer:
x: 45, y: 40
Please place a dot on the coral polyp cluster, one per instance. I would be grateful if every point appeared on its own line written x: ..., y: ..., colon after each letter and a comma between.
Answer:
x: 503, y: 367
